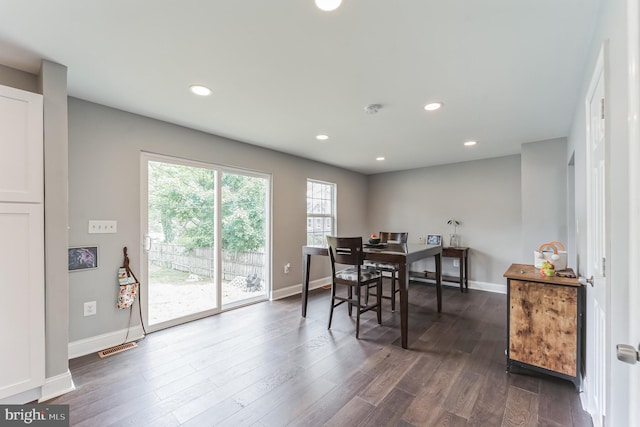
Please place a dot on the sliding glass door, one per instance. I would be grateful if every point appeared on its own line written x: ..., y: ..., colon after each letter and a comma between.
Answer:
x: 244, y: 238
x: 205, y: 242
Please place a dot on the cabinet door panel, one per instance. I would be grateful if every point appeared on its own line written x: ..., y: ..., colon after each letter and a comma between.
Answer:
x: 21, y: 162
x: 21, y: 298
x: 543, y: 325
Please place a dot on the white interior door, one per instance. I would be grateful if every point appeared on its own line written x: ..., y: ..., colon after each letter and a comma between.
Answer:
x: 634, y: 201
x: 597, y: 289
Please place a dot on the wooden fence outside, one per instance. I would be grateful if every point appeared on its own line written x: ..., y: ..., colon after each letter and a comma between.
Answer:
x: 200, y: 261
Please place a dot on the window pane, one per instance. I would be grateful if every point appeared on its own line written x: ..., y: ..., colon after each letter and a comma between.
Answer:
x: 320, y: 209
x: 327, y: 192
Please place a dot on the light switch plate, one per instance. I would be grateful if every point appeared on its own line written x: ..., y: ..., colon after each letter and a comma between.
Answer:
x: 101, y: 227
x: 90, y: 308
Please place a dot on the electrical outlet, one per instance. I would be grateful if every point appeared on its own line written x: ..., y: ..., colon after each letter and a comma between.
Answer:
x: 90, y: 308
x: 456, y: 262
x: 99, y: 227
x: 287, y: 268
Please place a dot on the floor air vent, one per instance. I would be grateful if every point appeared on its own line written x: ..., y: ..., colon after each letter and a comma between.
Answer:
x: 117, y: 349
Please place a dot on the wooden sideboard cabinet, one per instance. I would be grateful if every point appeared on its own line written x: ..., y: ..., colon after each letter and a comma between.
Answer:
x: 544, y: 323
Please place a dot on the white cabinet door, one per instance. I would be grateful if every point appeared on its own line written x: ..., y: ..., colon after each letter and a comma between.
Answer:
x: 22, y: 359
x: 21, y: 161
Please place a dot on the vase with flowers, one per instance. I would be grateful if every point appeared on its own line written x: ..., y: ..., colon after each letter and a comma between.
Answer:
x: 454, y: 239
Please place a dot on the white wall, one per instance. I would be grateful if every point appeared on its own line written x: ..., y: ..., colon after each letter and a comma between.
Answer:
x: 104, y: 183
x: 483, y: 194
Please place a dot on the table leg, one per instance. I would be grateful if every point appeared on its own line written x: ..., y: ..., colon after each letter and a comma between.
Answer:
x: 403, y: 283
x: 306, y: 266
x: 466, y: 270
x: 438, y: 261
x: 460, y: 274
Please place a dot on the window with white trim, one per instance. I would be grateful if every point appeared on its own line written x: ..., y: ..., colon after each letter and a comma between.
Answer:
x: 321, y: 208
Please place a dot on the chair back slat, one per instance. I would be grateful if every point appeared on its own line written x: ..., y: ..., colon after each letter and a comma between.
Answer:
x: 345, y: 250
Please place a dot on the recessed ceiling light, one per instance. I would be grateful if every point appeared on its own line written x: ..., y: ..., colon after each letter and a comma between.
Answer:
x: 470, y: 143
x: 200, y: 90
x: 328, y: 5
x: 322, y: 137
x: 432, y: 106
x: 379, y: 158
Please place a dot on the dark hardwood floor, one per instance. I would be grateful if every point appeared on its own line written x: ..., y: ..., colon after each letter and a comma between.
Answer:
x: 264, y: 365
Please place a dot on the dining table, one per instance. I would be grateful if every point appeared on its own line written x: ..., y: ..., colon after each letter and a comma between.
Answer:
x: 402, y: 254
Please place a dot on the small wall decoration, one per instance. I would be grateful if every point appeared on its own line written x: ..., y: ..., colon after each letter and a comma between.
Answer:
x: 83, y: 258
x: 434, y: 239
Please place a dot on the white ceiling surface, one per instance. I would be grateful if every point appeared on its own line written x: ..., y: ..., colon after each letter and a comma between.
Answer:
x: 282, y: 71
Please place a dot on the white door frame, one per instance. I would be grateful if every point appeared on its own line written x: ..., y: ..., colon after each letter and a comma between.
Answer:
x: 598, y: 301
x: 145, y: 157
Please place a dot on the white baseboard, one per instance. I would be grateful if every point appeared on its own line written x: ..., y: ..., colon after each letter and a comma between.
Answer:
x: 21, y: 398
x: 297, y: 289
x: 57, y: 386
x: 53, y: 387
x: 100, y: 342
x: 500, y: 288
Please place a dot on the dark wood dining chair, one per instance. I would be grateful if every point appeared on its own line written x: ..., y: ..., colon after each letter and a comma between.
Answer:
x: 347, y: 251
x: 389, y: 237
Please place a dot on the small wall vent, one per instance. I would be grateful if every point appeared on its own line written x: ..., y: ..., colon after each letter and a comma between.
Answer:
x: 117, y: 349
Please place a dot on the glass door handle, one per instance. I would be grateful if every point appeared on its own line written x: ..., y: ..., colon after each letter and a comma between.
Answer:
x: 147, y: 243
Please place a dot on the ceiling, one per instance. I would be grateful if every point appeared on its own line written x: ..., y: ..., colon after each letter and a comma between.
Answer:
x: 283, y: 71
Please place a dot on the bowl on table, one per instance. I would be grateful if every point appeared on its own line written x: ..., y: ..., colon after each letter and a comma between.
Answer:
x: 374, y: 241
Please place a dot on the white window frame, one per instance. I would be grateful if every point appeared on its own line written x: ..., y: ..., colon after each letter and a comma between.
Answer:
x: 313, y: 216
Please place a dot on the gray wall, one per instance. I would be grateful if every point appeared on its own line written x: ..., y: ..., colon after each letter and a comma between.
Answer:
x: 483, y: 194
x: 544, y: 194
x: 104, y: 183
x: 19, y: 79
x: 53, y: 82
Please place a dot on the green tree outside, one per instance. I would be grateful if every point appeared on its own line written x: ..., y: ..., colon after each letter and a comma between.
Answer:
x: 181, y: 207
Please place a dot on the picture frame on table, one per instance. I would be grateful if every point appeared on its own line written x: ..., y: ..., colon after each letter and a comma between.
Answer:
x: 434, y: 239
x: 83, y: 258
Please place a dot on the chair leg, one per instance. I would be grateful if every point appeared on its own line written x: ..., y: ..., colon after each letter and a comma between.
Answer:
x: 358, y: 312
x: 379, y: 301
x: 393, y: 291
x: 350, y: 305
x: 333, y: 301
